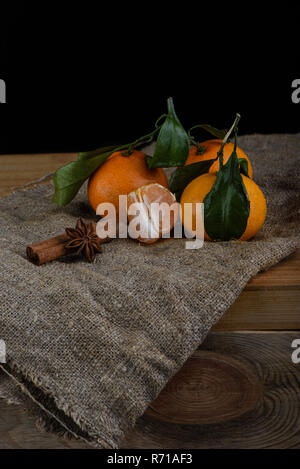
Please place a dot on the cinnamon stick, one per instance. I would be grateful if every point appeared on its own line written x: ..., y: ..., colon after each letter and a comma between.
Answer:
x: 49, y: 250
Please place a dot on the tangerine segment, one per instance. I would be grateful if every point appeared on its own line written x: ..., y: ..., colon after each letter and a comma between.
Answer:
x: 155, y: 210
x: 197, y: 190
x: 120, y: 175
x: 211, y: 150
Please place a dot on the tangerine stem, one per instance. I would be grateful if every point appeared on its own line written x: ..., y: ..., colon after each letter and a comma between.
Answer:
x: 145, y: 138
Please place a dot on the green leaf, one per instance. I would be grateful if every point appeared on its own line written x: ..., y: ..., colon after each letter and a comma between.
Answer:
x: 184, y: 175
x: 220, y: 134
x: 69, y: 178
x: 243, y: 166
x: 226, y: 206
x: 172, y: 146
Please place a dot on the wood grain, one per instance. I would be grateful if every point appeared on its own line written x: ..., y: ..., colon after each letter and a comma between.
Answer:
x: 18, y: 431
x: 263, y: 310
x: 211, y: 388
x: 272, y: 421
x: 285, y: 274
x: 270, y: 301
x: 17, y: 170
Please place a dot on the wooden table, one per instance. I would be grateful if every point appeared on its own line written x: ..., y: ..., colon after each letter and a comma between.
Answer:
x: 240, y: 389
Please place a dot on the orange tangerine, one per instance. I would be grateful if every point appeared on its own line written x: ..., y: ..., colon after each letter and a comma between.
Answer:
x: 121, y: 174
x: 211, y: 150
x: 197, y: 190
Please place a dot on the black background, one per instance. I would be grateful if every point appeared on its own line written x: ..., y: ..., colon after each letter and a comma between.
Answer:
x: 80, y: 77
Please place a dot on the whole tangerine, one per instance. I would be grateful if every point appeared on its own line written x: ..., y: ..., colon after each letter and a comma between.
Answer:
x: 197, y: 190
x: 121, y: 174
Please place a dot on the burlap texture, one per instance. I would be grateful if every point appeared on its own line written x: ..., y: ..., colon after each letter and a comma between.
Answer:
x: 94, y: 344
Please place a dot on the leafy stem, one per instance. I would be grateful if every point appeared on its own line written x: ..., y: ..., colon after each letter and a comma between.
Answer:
x: 145, y: 138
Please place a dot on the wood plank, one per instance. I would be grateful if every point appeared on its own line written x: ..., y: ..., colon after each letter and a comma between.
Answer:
x: 240, y: 390
x: 264, y: 310
x: 285, y: 274
x: 17, y: 170
x: 270, y: 301
x: 18, y: 431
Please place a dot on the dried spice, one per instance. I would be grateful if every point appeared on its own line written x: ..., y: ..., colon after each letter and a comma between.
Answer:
x: 83, y: 240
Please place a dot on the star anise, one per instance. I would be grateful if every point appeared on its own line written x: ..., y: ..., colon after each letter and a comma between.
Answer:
x: 84, y: 240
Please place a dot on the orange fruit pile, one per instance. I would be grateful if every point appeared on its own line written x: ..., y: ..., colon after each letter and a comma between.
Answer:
x: 130, y: 175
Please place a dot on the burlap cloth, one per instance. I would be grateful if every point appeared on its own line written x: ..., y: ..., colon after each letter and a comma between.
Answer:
x: 91, y: 345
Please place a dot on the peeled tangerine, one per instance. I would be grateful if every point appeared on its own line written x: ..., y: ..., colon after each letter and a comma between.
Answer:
x: 152, y: 212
